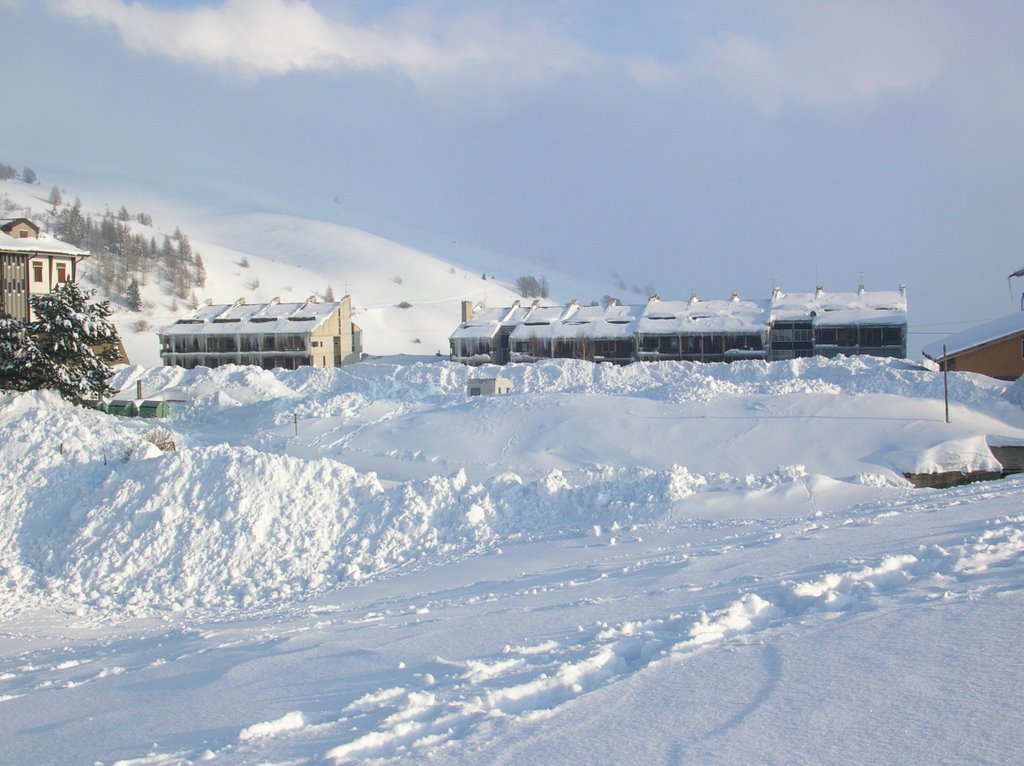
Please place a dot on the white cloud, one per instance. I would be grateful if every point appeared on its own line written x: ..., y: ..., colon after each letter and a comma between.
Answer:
x: 650, y: 72
x: 826, y: 55
x: 275, y: 37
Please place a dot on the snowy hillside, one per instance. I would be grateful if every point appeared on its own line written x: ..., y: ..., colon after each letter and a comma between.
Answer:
x: 405, y: 300
x: 660, y: 563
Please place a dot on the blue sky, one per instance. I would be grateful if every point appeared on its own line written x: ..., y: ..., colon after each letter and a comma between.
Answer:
x: 709, y: 146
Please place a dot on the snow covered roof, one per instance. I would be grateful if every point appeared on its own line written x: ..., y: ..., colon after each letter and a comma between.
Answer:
x: 692, y: 317
x: 44, y: 243
x: 982, y: 335
x: 695, y: 316
x: 254, y: 319
x: 574, y: 321
x: 485, y: 322
x: 831, y: 309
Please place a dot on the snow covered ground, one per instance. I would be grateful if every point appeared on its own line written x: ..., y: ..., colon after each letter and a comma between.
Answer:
x: 661, y: 563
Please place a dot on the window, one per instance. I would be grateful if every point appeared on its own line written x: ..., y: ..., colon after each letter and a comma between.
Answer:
x: 62, y: 272
x: 870, y: 336
x: 891, y: 336
x: 37, y: 272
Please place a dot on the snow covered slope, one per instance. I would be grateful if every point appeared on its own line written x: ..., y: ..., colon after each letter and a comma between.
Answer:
x: 406, y: 300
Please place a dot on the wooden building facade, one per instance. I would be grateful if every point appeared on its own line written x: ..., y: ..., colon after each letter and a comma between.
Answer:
x: 32, y: 263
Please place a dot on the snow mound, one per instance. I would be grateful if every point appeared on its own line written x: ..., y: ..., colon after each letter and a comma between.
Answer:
x: 275, y: 492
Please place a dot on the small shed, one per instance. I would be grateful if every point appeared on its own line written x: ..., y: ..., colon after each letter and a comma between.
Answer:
x: 488, y: 386
x: 125, y: 407
x: 154, y: 408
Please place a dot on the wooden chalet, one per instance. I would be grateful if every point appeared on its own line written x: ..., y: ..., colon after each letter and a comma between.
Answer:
x: 32, y: 263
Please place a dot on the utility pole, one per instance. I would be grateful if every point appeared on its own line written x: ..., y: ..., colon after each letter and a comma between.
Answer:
x: 945, y: 379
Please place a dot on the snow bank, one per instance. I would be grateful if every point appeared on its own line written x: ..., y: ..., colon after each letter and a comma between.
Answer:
x: 242, y: 515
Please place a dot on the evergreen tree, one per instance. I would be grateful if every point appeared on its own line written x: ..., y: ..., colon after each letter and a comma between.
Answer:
x: 200, y: 276
x: 122, y: 214
x: 168, y: 255
x: 75, y: 340
x: 184, y: 264
x: 133, y: 296
x: 54, y: 199
x: 12, y: 351
x: 72, y: 226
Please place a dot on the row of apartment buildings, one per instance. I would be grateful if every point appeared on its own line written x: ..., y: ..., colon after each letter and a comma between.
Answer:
x: 267, y: 335
x: 784, y: 326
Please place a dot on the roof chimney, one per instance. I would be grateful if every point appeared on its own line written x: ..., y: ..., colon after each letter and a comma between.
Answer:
x: 735, y: 298
x: 693, y: 297
x: 818, y: 292
x: 467, y: 310
x: 776, y: 293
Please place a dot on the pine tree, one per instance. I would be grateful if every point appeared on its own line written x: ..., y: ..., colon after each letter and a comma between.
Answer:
x: 72, y: 225
x: 75, y: 340
x: 54, y: 199
x: 184, y: 265
x: 133, y: 296
x: 168, y: 255
x: 200, y: 276
x: 12, y: 352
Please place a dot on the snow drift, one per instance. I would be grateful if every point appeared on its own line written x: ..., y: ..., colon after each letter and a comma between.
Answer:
x: 260, y: 501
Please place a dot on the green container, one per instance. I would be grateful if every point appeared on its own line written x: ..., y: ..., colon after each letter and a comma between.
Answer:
x: 124, y: 407
x: 154, y: 408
